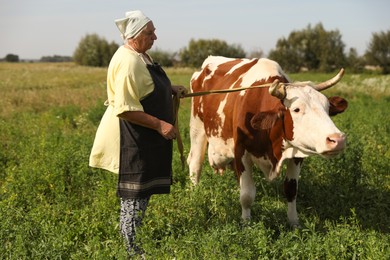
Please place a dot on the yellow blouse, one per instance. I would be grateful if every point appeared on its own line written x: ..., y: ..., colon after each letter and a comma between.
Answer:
x: 128, y: 82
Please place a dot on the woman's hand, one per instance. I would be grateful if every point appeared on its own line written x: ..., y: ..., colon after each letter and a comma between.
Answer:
x: 179, y: 90
x: 141, y: 118
x: 167, y: 130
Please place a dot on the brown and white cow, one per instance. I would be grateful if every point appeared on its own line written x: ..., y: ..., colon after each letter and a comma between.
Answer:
x: 262, y: 126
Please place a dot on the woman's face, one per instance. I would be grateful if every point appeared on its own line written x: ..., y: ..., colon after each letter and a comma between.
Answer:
x: 145, y: 39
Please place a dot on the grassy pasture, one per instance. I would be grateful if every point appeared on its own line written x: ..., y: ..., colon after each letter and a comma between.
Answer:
x: 53, y: 206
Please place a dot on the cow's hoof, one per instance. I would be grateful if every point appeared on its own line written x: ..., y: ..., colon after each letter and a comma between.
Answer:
x: 295, y: 226
x: 245, y: 222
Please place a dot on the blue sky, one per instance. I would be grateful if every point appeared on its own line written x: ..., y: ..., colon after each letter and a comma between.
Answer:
x: 36, y: 28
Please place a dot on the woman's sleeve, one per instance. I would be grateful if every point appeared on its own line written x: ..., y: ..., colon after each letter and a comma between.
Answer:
x: 127, y: 96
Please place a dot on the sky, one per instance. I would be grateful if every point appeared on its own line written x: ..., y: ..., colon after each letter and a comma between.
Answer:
x: 32, y: 29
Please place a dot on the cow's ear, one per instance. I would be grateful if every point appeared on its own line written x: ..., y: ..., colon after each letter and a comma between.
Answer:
x: 337, y: 105
x: 264, y: 120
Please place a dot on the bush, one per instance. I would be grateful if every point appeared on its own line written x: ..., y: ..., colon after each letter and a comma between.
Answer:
x: 94, y: 51
x: 163, y: 58
x: 378, y: 52
x: 12, y: 58
x: 312, y: 49
x: 198, y: 50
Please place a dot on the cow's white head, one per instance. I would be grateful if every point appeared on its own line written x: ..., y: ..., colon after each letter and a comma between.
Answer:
x: 313, y: 130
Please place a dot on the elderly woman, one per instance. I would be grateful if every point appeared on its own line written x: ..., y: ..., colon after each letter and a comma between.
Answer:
x: 135, y: 135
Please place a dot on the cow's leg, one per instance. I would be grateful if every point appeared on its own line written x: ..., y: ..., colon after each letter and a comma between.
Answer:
x: 291, y: 189
x: 198, y: 149
x: 247, y: 189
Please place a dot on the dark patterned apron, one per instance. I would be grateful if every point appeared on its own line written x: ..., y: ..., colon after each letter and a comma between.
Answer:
x: 145, y: 165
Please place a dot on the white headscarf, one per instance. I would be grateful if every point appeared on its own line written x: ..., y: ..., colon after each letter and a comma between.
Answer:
x: 131, y: 24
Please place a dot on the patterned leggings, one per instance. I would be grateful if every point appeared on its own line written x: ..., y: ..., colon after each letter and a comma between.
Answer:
x: 132, y: 212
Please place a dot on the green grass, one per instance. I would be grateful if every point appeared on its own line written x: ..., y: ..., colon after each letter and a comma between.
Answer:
x: 53, y: 206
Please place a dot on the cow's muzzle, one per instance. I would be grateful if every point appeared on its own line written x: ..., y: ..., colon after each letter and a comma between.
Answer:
x: 335, y: 144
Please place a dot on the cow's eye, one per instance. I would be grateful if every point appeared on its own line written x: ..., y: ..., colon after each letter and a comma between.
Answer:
x: 296, y: 110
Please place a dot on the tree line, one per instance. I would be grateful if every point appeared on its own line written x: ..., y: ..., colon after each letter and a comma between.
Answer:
x: 312, y: 48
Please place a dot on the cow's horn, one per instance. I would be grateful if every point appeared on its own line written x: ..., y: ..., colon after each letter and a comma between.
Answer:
x: 277, y: 90
x: 331, y: 82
